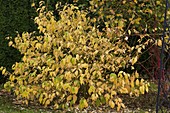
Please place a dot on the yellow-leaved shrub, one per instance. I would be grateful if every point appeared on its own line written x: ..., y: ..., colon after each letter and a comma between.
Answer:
x: 71, y: 62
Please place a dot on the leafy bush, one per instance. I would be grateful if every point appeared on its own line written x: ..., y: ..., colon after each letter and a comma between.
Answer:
x: 140, y: 21
x: 72, y: 62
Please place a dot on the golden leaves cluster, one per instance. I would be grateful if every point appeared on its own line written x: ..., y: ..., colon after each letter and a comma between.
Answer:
x: 72, y: 54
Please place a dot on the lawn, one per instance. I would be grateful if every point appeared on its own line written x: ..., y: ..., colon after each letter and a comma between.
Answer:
x: 7, y: 105
x: 143, y: 104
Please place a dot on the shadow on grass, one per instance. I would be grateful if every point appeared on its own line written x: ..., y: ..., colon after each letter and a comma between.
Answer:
x: 142, y: 104
x: 7, y: 105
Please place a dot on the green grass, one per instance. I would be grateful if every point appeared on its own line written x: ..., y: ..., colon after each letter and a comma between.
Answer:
x: 142, y: 104
x: 6, y: 106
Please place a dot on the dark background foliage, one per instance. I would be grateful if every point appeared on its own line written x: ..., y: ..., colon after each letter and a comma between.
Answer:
x: 15, y: 16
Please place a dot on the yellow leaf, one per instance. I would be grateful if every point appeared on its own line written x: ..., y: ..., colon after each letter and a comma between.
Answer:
x: 38, y: 45
x: 74, y: 90
x: 26, y: 102
x: 139, y: 50
x: 24, y: 58
x: 137, y: 21
x: 121, y: 24
x: 34, y: 92
x: 136, y: 92
x: 76, y: 73
x: 68, y: 76
x: 118, y: 106
x: 69, y: 97
x: 1, y: 68
x: 120, y: 100
x: 137, y: 82
x: 142, y: 81
x: 158, y: 2
x: 73, y: 61
x: 107, y: 97
x: 56, y: 106
x: 10, y: 43
x: 146, y: 88
x: 127, y: 81
x: 142, y: 89
x: 119, y: 60
x: 148, y: 11
x: 65, y: 86
x: 83, y: 104
x: 100, y: 91
x: 81, y: 80
x: 33, y: 4
x: 63, y: 62
x: 94, y: 97
x: 123, y: 106
x: 84, y: 65
x: 74, y: 98
x: 98, y: 83
x: 159, y: 43
x: 129, y: 32
x: 71, y: 38
x: 20, y: 82
x: 41, y: 98
x: 128, y: 88
x: 25, y: 94
x: 132, y: 68
x: 135, y: 1
x: 91, y: 89
x: 113, y: 93
x: 132, y: 84
x: 3, y: 71
x: 120, y: 74
x: 116, y: 101
x: 134, y: 60
x: 112, y: 104
x: 136, y: 74
x: 16, y: 92
x: 132, y: 78
x: 123, y: 90
x: 47, y: 103
x: 126, y: 76
x: 102, y: 58
x: 113, y: 77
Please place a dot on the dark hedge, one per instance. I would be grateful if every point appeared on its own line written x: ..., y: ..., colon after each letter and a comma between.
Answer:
x: 15, y: 16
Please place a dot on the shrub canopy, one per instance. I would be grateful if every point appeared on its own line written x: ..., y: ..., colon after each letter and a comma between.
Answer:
x: 73, y: 62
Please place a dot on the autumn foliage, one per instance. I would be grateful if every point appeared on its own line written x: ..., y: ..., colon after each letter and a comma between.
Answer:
x: 72, y: 62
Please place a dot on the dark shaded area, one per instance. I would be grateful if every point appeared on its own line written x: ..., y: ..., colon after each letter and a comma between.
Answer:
x: 163, y: 80
x: 15, y: 16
